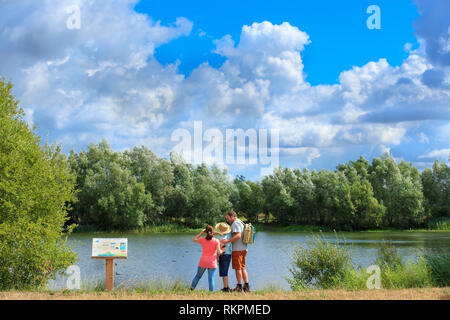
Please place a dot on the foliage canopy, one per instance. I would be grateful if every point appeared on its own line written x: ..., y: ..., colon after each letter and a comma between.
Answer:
x: 36, y: 189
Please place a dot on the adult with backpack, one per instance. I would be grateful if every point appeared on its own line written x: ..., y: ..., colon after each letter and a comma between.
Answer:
x: 239, y: 251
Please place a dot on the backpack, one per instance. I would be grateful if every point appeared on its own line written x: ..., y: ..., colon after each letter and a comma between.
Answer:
x: 249, y: 234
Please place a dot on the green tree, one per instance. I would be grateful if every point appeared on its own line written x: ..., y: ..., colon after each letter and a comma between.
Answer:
x: 178, y: 202
x: 333, y: 200
x: 119, y: 200
x: 278, y: 199
x: 36, y: 187
x: 304, y: 195
x: 210, y: 199
x: 436, y: 190
x: 242, y: 201
x: 157, y: 176
x: 399, y: 189
x: 368, y: 212
x: 256, y: 201
x: 110, y: 197
x: 247, y: 198
x: 95, y: 161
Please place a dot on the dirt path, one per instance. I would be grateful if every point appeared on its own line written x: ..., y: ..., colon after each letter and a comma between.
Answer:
x: 403, y: 294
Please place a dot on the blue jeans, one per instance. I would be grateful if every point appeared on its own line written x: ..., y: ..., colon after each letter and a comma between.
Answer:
x: 198, y: 276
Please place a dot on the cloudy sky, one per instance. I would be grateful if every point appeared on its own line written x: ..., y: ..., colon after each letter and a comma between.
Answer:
x: 134, y: 72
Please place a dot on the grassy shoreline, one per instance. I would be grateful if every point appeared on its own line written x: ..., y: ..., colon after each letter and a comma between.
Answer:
x: 178, y: 228
x: 380, y: 294
x: 311, y: 228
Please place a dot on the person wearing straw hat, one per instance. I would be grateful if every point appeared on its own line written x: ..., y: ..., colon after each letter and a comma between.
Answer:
x: 224, y: 230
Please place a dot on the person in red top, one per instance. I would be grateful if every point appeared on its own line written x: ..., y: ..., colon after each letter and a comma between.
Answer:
x: 208, y: 260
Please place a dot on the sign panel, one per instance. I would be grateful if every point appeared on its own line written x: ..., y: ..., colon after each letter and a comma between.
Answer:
x: 109, y: 247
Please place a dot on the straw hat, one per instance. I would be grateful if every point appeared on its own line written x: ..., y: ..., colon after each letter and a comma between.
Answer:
x: 223, y: 227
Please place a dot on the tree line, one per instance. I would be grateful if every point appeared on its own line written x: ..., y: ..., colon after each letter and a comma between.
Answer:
x: 132, y: 189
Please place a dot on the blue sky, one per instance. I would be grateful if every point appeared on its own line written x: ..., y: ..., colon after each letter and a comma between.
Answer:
x: 340, y: 38
x: 134, y: 72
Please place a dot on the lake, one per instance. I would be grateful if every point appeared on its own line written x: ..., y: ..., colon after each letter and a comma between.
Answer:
x: 152, y: 256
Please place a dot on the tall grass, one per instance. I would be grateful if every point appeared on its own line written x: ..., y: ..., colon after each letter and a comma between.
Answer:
x: 158, y: 284
x: 154, y: 285
x: 151, y: 285
x: 270, y: 287
x: 388, y: 256
x: 169, y: 228
x: 172, y: 227
x: 409, y: 275
x: 439, y: 263
x: 93, y: 285
x: 303, y: 228
x: 442, y: 223
x: 398, y: 275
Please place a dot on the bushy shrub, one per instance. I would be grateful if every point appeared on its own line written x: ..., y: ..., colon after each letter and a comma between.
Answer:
x: 351, y: 279
x: 319, y: 263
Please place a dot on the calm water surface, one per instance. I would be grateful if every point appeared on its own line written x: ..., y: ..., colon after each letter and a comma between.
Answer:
x: 152, y: 256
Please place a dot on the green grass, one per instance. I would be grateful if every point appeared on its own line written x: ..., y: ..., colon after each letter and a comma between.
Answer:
x: 155, y: 285
x: 291, y: 228
x: 439, y: 262
x: 161, y: 228
x: 403, y: 230
x: 170, y: 228
x: 437, y: 225
x: 352, y: 280
x: 273, y: 227
x: 441, y: 224
x: 269, y: 287
x: 410, y: 275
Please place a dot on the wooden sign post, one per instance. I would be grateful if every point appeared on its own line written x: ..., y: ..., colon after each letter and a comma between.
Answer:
x: 109, y: 249
x: 109, y: 271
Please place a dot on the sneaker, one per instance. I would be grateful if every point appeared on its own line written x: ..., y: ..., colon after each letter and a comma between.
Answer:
x: 226, y: 289
x: 238, y: 288
x: 246, y: 288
